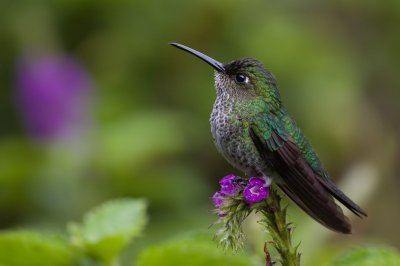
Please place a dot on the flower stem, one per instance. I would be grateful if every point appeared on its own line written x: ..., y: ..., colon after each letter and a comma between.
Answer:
x: 268, y: 260
x: 280, y: 230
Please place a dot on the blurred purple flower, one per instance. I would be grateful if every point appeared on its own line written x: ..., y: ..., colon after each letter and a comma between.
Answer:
x: 52, y: 95
x: 256, y: 191
x: 230, y: 184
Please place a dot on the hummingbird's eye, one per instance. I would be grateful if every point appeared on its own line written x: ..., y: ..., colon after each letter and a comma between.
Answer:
x: 240, y: 78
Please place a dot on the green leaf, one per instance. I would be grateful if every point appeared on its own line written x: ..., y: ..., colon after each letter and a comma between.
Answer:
x: 20, y: 248
x: 368, y: 256
x: 109, y: 227
x: 193, y: 251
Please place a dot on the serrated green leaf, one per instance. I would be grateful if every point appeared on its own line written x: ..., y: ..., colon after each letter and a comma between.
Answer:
x: 192, y: 251
x: 368, y: 256
x: 24, y: 248
x: 109, y: 227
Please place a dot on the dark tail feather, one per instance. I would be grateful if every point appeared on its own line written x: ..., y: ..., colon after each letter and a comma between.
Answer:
x: 342, y: 198
x: 305, y: 189
x: 330, y: 215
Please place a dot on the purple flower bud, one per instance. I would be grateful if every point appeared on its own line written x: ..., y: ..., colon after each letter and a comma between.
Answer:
x: 218, y: 199
x: 256, y: 190
x: 52, y: 94
x: 230, y: 184
x: 221, y: 214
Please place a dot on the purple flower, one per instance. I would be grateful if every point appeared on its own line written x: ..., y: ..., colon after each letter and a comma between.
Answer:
x: 230, y: 184
x: 256, y: 190
x: 218, y: 199
x: 52, y: 93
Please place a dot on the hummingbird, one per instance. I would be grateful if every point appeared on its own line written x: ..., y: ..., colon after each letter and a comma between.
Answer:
x: 255, y: 133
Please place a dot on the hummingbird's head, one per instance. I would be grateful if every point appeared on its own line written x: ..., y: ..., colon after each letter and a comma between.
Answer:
x: 242, y: 79
x: 245, y: 77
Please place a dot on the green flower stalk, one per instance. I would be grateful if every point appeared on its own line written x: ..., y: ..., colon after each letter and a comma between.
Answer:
x: 274, y: 219
x: 237, y: 199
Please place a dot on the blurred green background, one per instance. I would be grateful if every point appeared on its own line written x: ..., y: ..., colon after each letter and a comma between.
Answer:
x: 95, y: 105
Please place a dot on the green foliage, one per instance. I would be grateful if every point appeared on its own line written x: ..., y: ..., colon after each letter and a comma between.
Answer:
x: 16, y: 174
x: 231, y: 234
x: 194, y: 251
x: 368, y: 256
x: 280, y: 230
x: 109, y: 227
x: 119, y: 147
x: 25, y: 248
x: 105, y: 231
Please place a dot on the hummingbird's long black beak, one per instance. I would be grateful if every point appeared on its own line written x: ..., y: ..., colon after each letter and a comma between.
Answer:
x: 212, y: 62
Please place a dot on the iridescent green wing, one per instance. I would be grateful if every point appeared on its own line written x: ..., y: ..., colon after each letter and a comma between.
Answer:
x: 298, y: 179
